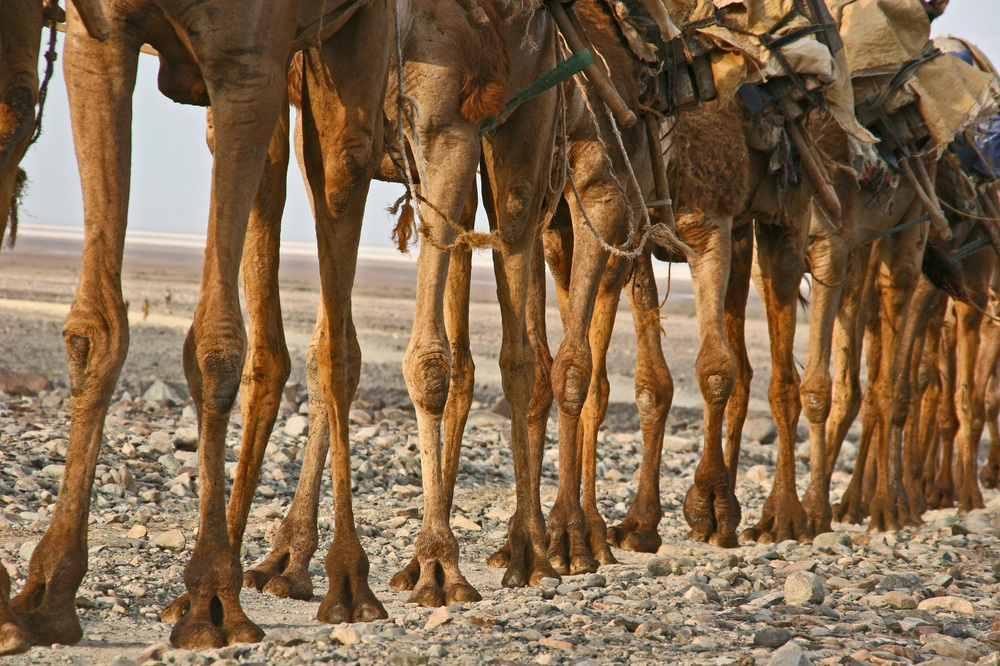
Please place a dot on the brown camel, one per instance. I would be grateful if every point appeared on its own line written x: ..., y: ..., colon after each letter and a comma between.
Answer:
x: 232, y: 55
x: 21, y: 25
x: 456, y: 84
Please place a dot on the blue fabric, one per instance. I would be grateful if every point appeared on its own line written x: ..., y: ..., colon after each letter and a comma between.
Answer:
x: 984, y: 154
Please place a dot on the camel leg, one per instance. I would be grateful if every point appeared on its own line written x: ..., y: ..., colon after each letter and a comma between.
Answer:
x: 654, y: 393
x: 780, y: 258
x: 734, y: 323
x: 898, y: 281
x: 710, y: 506
x: 990, y: 476
x: 595, y: 408
x: 928, y: 432
x: 95, y: 332
x: 866, y: 326
x: 267, y: 365
x: 463, y: 375
x: 848, y: 333
x: 285, y: 570
x: 541, y: 400
x: 515, y: 182
x: 943, y: 493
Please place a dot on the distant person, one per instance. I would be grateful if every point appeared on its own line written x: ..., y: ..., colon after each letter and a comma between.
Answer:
x: 166, y: 299
x: 145, y: 308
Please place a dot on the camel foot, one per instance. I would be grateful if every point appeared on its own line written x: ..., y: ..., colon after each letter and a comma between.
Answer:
x: 783, y: 518
x: 970, y: 497
x: 349, y: 598
x: 713, y: 514
x: 597, y: 537
x: 215, y: 621
x: 990, y: 474
x: 283, y: 574
x: 889, y: 514
x: 527, y: 558
x: 850, y: 509
x: 819, y: 514
x: 569, y: 548
x: 638, y: 530
x: 176, y: 609
x: 439, y: 581
x: 406, y: 579
x: 501, y: 558
x: 44, y: 613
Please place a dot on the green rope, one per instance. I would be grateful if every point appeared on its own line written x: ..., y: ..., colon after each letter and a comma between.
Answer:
x: 563, y: 71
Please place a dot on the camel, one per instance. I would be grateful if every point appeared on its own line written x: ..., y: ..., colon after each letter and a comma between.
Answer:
x: 456, y: 85
x: 21, y: 26
x: 232, y: 55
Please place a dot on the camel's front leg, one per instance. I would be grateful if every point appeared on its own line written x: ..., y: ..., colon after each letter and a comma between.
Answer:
x: 734, y: 323
x: 99, y: 79
x: 245, y: 111
x: 463, y: 374
x: 942, y: 494
x: 654, y: 393
x: 711, y: 507
x: 780, y: 256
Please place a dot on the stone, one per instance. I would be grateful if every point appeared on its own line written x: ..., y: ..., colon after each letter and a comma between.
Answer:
x: 662, y: 566
x: 789, y: 654
x: 137, y: 532
x: 772, y: 637
x: 158, y: 391
x: 297, y: 426
x: 899, y: 599
x: 804, y: 588
x: 680, y: 444
x: 948, y: 604
x: 23, y: 383
x: 759, y: 474
x: 26, y: 549
x: 153, y: 653
x: 437, y: 618
x: 463, y: 523
x: 901, y: 581
x: 555, y: 643
x: 187, y: 438
x: 827, y: 540
x: 171, y: 540
x: 760, y: 429
x: 701, y: 594
x: 407, y: 658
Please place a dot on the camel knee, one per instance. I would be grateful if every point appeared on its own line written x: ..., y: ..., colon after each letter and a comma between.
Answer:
x: 517, y: 209
x: 463, y: 370
x: 653, y: 396
x: 816, y: 394
x: 96, y: 345
x: 349, y: 172
x: 428, y: 376
x: 716, y: 375
x: 571, y: 380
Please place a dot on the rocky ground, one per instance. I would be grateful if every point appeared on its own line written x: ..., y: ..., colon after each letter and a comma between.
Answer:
x: 924, y: 595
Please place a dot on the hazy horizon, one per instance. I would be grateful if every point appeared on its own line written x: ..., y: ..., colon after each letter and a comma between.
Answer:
x: 171, y: 165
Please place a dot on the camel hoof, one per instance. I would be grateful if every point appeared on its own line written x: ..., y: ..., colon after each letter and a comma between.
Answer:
x: 429, y: 596
x: 462, y: 593
x: 244, y: 632
x: 199, y: 636
x: 13, y: 640
x: 252, y: 578
x: 634, y: 540
x: 581, y: 564
x: 500, y: 559
x: 286, y: 588
x: 176, y: 609
x: 722, y: 541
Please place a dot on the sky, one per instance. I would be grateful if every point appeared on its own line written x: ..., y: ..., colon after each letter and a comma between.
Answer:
x: 171, y: 165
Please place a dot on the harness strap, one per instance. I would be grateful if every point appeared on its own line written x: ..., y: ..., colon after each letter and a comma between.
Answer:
x: 895, y: 229
x: 565, y: 70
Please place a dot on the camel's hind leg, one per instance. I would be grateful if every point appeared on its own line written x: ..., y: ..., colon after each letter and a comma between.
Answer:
x: 990, y: 476
x: 942, y: 495
x: 654, y: 392
x: 780, y: 258
x: 710, y: 506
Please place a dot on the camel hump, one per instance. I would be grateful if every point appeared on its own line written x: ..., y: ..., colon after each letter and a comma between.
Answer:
x: 485, y: 88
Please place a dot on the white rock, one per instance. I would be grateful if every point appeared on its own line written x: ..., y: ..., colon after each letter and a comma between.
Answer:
x: 440, y: 616
x: 171, y: 540
x: 158, y: 391
x: 804, y: 587
x: 759, y: 474
x: 297, y: 426
x: 463, y: 523
x: 137, y: 532
x: 26, y: 549
x: 952, y: 604
x: 789, y: 654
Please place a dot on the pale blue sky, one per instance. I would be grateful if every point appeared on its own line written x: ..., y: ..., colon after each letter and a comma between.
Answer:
x: 171, y: 165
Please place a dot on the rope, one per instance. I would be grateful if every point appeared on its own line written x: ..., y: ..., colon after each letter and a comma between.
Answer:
x: 50, y: 61
x: 978, y: 218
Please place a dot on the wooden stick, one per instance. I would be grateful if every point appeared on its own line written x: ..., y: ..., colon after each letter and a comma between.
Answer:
x: 930, y: 205
x: 659, y: 171
x: 595, y: 75
x: 813, y: 165
x: 93, y: 18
